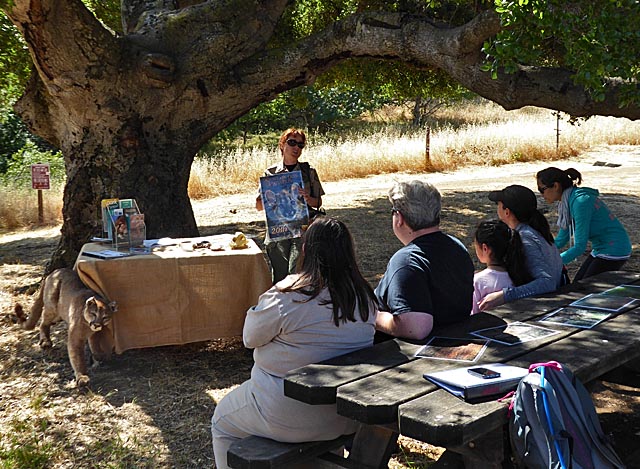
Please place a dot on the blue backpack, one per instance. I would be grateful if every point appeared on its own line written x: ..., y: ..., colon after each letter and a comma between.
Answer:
x: 553, y: 423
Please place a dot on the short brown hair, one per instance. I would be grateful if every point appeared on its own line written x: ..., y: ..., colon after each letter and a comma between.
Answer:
x: 287, y: 134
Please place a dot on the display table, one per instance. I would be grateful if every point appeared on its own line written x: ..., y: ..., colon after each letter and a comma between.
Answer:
x: 175, y: 296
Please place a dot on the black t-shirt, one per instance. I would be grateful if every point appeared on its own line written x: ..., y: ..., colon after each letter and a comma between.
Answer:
x: 432, y: 274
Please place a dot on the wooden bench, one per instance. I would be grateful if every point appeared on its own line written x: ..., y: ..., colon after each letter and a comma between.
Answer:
x: 254, y: 452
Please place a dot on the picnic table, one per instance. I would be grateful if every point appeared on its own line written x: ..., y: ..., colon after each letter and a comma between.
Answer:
x: 383, y: 388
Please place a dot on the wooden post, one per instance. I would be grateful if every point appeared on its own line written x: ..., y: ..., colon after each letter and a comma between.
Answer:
x: 40, y: 208
x: 427, y: 150
x: 557, y: 131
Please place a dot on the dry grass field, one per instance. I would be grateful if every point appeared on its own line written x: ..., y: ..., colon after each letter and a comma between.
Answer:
x: 477, y: 133
x: 151, y: 408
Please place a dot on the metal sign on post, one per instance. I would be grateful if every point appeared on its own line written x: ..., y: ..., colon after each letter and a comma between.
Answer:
x: 40, y: 176
x: 40, y: 179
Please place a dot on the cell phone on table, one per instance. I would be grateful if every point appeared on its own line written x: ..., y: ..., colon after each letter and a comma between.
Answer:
x: 482, y: 372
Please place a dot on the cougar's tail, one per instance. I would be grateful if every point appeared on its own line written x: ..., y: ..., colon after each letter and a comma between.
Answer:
x: 36, y: 311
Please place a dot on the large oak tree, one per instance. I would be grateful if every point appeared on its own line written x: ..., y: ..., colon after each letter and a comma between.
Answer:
x: 130, y: 110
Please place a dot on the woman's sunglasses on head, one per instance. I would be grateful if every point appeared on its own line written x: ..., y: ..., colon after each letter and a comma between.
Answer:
x: 292, y: 142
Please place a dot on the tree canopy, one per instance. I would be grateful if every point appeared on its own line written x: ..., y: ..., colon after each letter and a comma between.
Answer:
x: 595, y: 41
x: 130, y: 104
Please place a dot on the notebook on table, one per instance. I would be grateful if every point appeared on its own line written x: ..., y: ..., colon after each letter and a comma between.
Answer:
x: 479, y: 382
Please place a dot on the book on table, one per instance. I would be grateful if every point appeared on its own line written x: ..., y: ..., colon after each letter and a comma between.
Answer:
x: 472, y: 386
x: 106, y: 254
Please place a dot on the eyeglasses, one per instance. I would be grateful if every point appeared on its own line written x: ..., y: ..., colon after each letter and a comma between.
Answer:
x: 543, y: 188
x: 292, y: 142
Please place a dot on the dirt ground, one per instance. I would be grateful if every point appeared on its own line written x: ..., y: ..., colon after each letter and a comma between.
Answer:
x: 152, y: 407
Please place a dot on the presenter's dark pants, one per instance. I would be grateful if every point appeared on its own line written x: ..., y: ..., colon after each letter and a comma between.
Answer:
x: 283, y: 256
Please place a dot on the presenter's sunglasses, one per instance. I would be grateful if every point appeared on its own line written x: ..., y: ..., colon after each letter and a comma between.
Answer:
x: 292, y: 142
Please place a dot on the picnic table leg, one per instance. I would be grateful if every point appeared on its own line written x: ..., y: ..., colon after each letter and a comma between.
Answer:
x: 486, y: 452
x: 372, y: 446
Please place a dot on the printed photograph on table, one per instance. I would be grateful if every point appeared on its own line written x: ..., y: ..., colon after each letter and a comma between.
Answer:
x: 284, y: 207
x: 611, y: 303
x: 514, y: 333
x: 576, y: 317
x: 450, y: 348
x: 628, y: 291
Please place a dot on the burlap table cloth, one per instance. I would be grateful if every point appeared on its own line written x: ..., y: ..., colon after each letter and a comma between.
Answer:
x: 175, y: 297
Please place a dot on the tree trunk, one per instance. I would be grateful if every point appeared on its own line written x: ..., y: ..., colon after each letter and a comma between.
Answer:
x: 417, y: 114
x: 158, y: 185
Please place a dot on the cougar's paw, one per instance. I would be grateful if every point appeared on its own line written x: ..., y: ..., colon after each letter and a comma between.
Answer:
x: 45, y: 344
x: 18, y: 316
x: 82, y: 382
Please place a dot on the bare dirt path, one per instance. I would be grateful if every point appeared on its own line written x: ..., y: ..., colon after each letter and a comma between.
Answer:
x: 151, y: 407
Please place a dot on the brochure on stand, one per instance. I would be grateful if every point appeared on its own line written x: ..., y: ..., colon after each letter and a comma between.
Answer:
x: 285, y: 210
x: 514, y: 333
x: 611, y: 303
x: 137, y: 229
x: 576, y: 317
x: 122, y: 223
x: 470, y: 387
x: 449, y: 348
x: 106, y: 206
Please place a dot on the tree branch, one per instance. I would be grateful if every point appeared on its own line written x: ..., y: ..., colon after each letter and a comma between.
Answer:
x: 417, y: 40
x: 63, y: 36
x: 132, y: 10
x: 232, y: 29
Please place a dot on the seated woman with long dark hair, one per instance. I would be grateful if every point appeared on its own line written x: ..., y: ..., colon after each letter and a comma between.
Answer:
x: 325, y: 310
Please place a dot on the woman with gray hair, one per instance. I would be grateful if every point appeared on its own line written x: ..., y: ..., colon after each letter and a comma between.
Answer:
x: 429, y: 281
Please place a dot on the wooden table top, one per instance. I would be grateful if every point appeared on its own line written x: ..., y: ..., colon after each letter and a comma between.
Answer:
x: 384, y: 384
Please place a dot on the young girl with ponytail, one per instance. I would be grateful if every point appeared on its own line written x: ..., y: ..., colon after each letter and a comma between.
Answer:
x: 500, y: 249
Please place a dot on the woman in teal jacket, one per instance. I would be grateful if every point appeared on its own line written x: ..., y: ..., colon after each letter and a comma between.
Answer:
x: 584, y: 217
